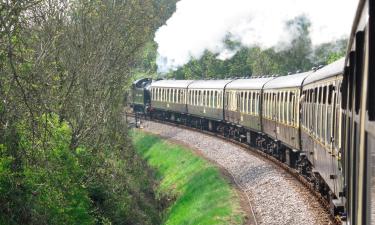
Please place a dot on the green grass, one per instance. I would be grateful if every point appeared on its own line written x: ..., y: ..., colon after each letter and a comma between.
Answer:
x: 200, y: 194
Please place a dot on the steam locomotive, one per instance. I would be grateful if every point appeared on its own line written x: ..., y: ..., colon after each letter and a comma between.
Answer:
x: 320, y: 122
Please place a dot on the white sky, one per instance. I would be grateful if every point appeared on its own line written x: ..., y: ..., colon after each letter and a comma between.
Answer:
x: 198, y: 25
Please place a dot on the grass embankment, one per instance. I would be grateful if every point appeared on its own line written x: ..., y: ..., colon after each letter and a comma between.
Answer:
x: 199, y: 194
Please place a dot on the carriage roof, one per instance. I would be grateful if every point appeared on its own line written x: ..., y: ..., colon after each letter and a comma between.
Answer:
x: 331, y: 70
x: 249, y: 84
x: 171, y: 83
x: 289, y: 81
x: 209, y: 84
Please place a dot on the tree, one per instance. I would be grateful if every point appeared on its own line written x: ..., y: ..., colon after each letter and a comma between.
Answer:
x: 64, y: 147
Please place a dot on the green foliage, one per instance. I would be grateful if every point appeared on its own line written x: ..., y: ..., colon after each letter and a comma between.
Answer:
x: 50, y: 184
x: 65, y: 157
x: 43, y: 187
x: 193, y: 189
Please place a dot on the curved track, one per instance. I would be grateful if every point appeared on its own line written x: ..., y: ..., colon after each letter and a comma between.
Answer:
x: 277, y: 197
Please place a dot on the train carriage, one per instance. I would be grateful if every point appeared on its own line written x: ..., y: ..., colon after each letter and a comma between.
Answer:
x: 205, y: 99
x: 243, y: 102
x: 170, y: 97
x: 321, y: 126
x: 358, y: 103
x: 280, y: 114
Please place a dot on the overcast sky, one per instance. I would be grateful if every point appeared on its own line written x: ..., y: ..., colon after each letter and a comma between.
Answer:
x: 198, y: 25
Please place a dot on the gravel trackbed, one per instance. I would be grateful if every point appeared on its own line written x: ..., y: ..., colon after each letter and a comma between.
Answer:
x: 276, y: 197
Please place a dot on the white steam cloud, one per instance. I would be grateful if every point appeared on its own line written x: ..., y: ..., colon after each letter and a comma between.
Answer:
x: 199, y: 25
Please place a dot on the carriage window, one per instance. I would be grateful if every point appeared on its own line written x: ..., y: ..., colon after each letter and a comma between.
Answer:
x: 238, y: 106
x: 351, y: 78
x: 359, y: 67
x: 196, y: 96
x: 272, y: 104
x: 208, y: 96
x: 214, y: 99
x: 218, y: 99
x: 205, y: 94
x: 282, y: 100
x: 331, y: 89
x: 287, y: 107
x: 371, y: 78
x: 229, y: 98
x: 249, y: 101
x: 209, y: 100
x: 205, y: 98
x: 257, y: 104
x: 193, y: 97
x: 278, y: 106
x: 292, y: 109
x: 269, y: 106
x: 199, y: 100
x: 285, y: 100
x: 241, y: 101
x: 324, y: 94
x: 265, y: 102
x: 320, y: 95
x: 253, y: 104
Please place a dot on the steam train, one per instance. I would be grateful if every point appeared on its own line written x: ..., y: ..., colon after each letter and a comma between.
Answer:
x: 320, y: 122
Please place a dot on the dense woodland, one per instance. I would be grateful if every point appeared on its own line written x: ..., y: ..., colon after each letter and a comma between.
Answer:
x: 294, y: 55
x: 65, y: 154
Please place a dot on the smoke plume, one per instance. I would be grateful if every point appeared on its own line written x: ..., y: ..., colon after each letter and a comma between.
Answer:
x: 199, y: 25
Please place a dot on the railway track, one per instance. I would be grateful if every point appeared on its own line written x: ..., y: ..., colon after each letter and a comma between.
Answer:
x: 294, y: 173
